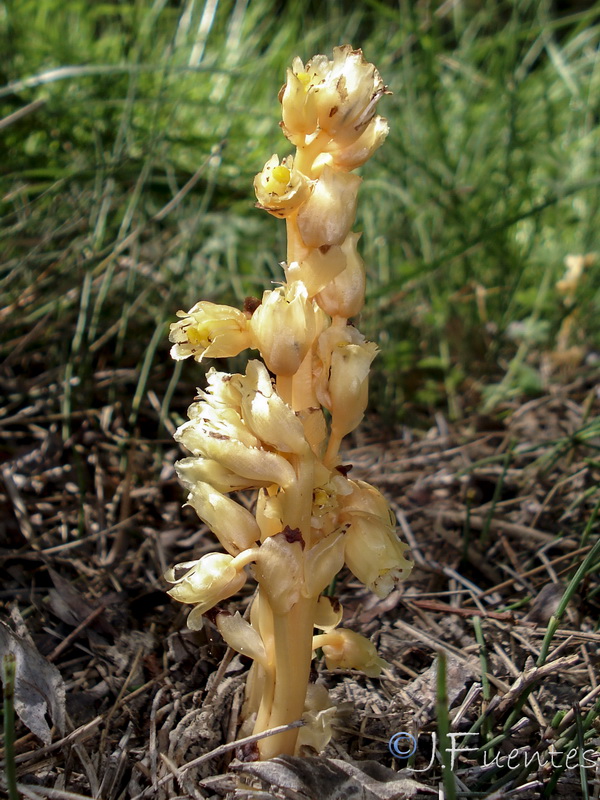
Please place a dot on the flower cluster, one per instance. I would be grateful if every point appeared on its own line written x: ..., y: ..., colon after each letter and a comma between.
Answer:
x: 278, y: 427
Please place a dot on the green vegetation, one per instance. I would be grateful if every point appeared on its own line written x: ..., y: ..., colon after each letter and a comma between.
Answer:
x: 126, y: 186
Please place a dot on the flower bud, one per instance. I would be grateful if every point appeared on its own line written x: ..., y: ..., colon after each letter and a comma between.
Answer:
x: 328, y: 214
x: 344, y: 296
x: 280, y: 189
x: 233, y: 525
x: 284, y: 327
x: 374, y: 554
x: 342, y: 380
x: 205, y: 582
x: 345, y: 649
x: 209, y: 331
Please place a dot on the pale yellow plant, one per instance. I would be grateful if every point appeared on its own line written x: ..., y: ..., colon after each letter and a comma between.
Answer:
x: 278, y: 427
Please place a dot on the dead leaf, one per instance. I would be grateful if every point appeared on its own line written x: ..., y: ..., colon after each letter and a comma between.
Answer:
x: 39, y: 687
x: 295, y: 778
x: 422, y: 691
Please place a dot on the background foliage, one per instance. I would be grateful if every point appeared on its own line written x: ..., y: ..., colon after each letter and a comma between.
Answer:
x: 131, y: 133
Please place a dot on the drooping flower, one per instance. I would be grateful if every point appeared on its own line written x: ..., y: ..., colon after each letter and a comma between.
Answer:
x: 209, y: 330
x: 373, y: 551
x: 346, y: 649
x: 204, y: 582
x: 233, y: 525
x: 375, y: 555
x: 216, y: 431
x: 342, y: 381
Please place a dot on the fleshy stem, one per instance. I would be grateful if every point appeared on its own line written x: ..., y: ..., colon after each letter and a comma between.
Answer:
x: 293, y: 631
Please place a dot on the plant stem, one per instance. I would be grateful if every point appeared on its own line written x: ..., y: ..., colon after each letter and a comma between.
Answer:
x: 293, y: 655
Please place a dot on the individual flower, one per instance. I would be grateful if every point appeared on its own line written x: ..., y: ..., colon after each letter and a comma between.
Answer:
x: 205, y: 583
x: 345, y: 649
x: 344, y: 296
x: 268, y: 417
x: 318, y: 717
x: 217, y: 432
x: 280, y: 188
x: 194, y: 470
x: 233, y: 525
x: 328, y: 214
x: 209, y: 330
x: 298, y: 98
x: 342, y: 381
x: 338, y: 97
x: 374, y: 554
x: 285, y: 326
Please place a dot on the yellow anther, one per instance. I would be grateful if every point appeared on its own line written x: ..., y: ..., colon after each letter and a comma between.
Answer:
x: 304, y: 78
x: 281, y: 174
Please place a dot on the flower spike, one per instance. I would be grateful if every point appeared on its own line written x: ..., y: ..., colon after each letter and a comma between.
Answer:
x: 277, y: 427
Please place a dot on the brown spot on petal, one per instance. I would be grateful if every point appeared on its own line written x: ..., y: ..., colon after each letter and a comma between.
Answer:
x: 251, y: 304
x: 293, y: 535
x: 324, y: 248
x: 214, y: 435
x: 333, y: 111
x: 344, y: 469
